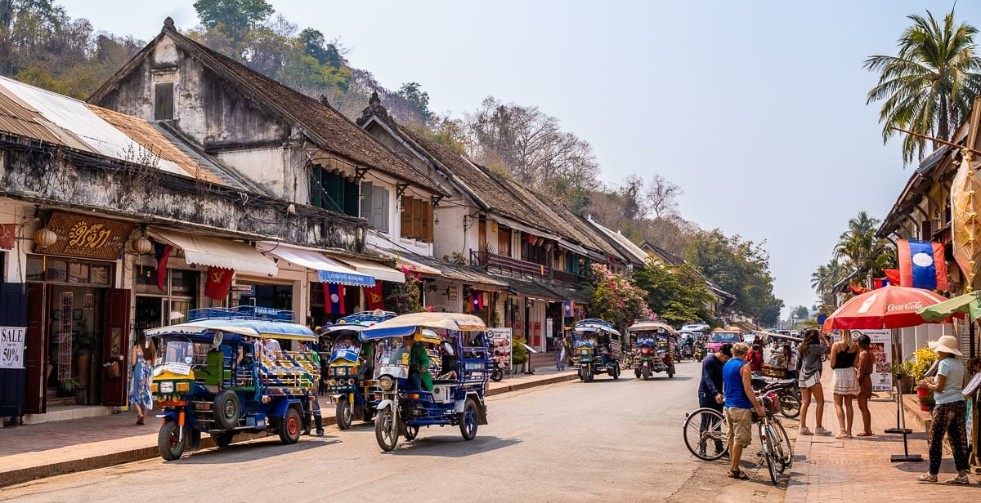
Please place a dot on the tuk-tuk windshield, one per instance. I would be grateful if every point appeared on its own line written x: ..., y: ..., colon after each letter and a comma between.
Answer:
x: 726, y: 337
x: 392, y: 352
x: 585, y: 339
x: 346, y: 347
x: 181, y: 354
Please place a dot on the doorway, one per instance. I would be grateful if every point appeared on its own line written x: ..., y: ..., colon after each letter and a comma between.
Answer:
x: 75, y: 341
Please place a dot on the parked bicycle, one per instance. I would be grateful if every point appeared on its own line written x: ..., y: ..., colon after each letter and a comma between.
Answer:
x: 705, y: 433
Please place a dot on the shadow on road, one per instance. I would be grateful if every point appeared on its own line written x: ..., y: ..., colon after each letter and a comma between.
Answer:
x: 446, y: 446
x: 251, y: 451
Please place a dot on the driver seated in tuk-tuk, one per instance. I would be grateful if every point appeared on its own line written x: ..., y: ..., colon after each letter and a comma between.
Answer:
x: 448, y: 357
x: 419, y: 376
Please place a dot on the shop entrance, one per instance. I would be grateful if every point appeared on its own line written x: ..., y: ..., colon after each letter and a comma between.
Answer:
x: 78, y: 330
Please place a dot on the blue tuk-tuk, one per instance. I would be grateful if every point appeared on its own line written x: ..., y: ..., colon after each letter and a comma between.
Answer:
x: 596, y: 348
x: 224, y: 373
x: 432, y: 369
x: 348, y: 376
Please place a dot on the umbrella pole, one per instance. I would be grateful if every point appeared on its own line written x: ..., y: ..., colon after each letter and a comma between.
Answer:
x: 900, y: 426
x: 905, y: 457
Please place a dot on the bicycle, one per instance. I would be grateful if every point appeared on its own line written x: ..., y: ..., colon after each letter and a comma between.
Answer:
x: 778, y: 452
x: 705, y: 432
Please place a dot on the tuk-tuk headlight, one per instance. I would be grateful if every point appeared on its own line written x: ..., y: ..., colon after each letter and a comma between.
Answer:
x: 183, y: 386
x: 167, y: 387
x: 386, y: 383
x: 154, y: 387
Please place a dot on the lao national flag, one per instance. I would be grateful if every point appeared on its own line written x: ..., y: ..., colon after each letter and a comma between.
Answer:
x: 568, y: 309
x: 922, y: 265
x: 334, y: 298
x: 477, y: 301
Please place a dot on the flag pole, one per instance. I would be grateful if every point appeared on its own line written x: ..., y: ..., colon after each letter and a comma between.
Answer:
x: 938, y: 140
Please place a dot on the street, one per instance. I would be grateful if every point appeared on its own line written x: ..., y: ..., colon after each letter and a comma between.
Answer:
x: 601, y: 441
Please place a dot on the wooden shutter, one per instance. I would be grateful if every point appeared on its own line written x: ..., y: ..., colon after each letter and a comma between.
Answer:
x: 35, y: 353
x: 379, y: 208
x: 116, y: 346
x: 366, y: 201
x: 13, y: 298
x: 427, y: 222
x: 163, y: 101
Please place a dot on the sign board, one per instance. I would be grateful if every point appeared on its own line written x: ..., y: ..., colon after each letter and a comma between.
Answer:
x: 12, y: 347
x: 881, y: 357
x: 89, y: 237
x: 500, y: 341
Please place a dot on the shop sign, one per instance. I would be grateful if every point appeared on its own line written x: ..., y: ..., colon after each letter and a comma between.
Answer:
x: 89, y: 237
x: 12, y: 347
x: 500, y: 340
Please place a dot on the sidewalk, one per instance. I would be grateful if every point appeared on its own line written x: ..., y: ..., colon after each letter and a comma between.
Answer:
x: 828, y: 470
x: 44, y: 450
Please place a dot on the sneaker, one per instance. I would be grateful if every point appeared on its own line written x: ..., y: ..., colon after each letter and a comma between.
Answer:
x: 804, y: 430
x: 958, y: 480
x: 927, y: 477
x: 823, y: 432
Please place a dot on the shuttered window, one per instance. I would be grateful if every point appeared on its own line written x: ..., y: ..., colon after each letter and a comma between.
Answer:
x: 374, y: 205
x: 417, y: 219
x: 163, y: 101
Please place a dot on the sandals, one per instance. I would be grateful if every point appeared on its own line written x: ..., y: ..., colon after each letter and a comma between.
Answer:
x: 738, y: 474
x: 960, y: 480
x: 865, y: 434
x: 140, y: 421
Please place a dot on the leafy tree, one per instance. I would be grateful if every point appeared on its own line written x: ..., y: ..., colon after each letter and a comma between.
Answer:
x: 418, y: 99
x: 614, y: 298
x: 930, y: 85
x: 678, y: 294
x: 314, y: 46
x: 233, y: 17
x: 801, y: 313
x: 860, y: 251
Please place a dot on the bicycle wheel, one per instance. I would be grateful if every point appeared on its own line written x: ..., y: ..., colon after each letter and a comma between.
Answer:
x: 705, y: 434
x: 768, y: 455
x: 783, y: 440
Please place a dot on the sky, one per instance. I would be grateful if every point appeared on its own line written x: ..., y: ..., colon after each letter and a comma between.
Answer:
x: 756, y: 109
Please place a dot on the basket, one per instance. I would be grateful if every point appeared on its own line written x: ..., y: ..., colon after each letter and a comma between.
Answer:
x: 771, y: 402
x: 778, y: 372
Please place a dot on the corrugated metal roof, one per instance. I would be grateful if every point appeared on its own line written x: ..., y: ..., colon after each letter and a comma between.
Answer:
x: 18, y: 118
x: 621, y: 240
x: 74, y: 117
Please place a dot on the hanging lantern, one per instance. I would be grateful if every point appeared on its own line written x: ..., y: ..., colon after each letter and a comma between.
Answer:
x: 141, y: 245
x: 45, y: 237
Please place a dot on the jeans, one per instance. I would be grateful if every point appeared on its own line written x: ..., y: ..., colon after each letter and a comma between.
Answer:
x: 948, y: 418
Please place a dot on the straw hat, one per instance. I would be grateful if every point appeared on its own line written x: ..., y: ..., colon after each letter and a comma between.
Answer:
x: 946, y: 344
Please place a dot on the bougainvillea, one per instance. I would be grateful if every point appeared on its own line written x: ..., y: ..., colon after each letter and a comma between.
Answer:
x: 615, y: 298
x: 407, y: 297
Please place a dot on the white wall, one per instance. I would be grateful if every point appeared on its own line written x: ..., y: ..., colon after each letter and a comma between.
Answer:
x: 267, y: 167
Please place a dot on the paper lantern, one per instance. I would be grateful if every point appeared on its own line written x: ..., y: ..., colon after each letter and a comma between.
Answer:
x: 142, y: 245
x: 45, y: 237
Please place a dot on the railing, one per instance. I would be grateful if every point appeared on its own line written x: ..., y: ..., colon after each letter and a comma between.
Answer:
x: 513, y: 266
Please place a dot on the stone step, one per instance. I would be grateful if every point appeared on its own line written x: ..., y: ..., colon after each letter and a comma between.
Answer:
x: 67, y: 413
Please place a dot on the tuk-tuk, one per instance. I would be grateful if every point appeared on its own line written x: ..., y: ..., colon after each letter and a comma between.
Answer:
x: 223, y: 373
x: 348, y: 372
x: 654, y: 348
x: 721, y: 336
x: 596, y: 348
x: 432, y: 369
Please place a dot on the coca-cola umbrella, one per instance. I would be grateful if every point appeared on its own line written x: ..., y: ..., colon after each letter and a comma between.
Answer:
x: 888, y: 307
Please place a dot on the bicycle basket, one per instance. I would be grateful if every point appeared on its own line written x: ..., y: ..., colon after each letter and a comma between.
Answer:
x: 771, y: 403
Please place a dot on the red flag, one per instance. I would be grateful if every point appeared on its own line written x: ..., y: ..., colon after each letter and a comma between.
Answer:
x: 161, y: 252
x: 334, y: 298
x: 857, y: 290
x: 219, y: 281
x: 892, y: 275
x: 374, y: 296
x: 8, y: 233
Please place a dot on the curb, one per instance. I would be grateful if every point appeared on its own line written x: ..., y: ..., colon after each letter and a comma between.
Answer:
x: 143, y: 453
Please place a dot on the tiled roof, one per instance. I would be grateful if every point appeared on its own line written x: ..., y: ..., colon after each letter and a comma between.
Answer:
x: 325, y: 126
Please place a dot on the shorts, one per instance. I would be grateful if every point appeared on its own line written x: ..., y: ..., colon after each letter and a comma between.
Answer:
x: 810, y: 382
x: 740, y: 422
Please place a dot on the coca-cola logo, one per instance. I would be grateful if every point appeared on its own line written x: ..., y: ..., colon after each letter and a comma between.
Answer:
x: 909, y: 306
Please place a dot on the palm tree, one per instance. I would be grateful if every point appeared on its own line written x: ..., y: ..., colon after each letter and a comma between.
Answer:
x: 861, y: 251
x: 929, y: 87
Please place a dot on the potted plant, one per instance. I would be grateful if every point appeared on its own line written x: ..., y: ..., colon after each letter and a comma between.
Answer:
x: 903, y: 373
x: 67, y: 387
x: 519, y: 355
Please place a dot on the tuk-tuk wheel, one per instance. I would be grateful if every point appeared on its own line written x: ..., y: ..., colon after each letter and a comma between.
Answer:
x: 637, y: 373
x: 468, y: 420
x: 222, y: 440
x: 411, y: 432
x: 671, y: 372
x: 169, y: 444
x: 386, y: 431
x: 290, y: 426
x: 616, y: 371
x: 343, y: 413
x: 369, y: 414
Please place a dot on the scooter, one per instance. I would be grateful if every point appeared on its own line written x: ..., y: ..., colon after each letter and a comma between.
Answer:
x: 498, y: 373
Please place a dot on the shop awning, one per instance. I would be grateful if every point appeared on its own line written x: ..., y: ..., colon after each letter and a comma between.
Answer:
x: 417, y: 267
x: 507, y: 222
x: 215, y: 252
x: 379, y: 271
x: 328, y: 270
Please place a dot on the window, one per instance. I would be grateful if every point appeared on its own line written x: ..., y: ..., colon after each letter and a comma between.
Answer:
x: 163, y: 101
x: 156, y: 308
x: 417, y: 219
x: 374, y: 205
x: 61, y: 270
x: 334, y: 192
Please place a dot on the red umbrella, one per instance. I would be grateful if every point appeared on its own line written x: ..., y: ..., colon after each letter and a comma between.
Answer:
x: 888, y: 307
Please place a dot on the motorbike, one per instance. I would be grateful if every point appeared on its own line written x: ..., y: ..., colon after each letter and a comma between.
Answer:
x: 497, y: 374
x: 699, y: 353
x: 787, y: 391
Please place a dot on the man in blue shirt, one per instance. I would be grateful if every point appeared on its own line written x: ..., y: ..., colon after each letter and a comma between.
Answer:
x: 710, y: 387
x: 740, y: 402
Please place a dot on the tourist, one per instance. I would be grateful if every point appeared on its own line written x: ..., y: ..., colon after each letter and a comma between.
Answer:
x: 845, y: 385
x: 949, y: 413
x: 144, y: 352
x: 810, y: 362
x: 864, y: 369
x: 740, y: 402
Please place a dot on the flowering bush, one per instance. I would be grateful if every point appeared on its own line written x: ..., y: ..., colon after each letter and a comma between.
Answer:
x: 615, y: 298
x: 407, y: 297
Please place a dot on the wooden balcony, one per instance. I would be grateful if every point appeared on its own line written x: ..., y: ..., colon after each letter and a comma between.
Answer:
x: 517, y: 267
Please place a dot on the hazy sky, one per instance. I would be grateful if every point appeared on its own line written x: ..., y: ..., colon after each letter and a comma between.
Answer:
x: 756, y: 109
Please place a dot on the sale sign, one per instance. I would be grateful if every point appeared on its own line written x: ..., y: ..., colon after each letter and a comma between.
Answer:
x: 12, y: 347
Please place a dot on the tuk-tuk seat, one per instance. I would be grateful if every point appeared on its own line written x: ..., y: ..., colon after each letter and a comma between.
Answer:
x: 214, y: 373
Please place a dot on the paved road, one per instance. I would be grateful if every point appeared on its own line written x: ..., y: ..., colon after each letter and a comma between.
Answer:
x: 601, y: 441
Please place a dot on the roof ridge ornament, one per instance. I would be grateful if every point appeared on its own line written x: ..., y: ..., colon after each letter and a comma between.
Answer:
x: 375, y: 108
x: 169, y: 23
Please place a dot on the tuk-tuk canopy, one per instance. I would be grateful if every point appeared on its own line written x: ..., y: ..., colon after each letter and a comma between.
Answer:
x: 407, y: 324
x: 652, y: 326
x: 244, y: 328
